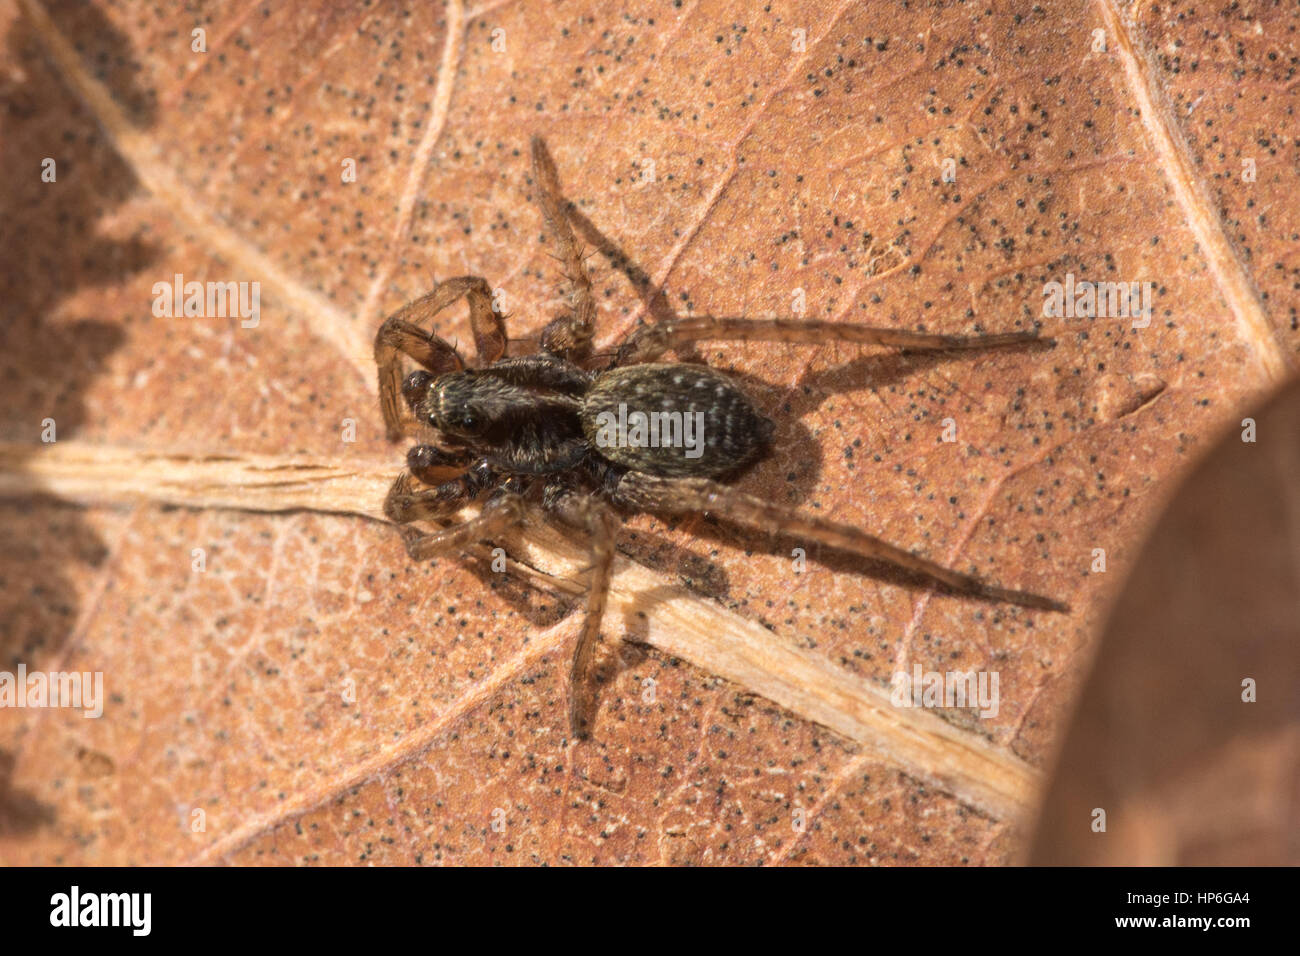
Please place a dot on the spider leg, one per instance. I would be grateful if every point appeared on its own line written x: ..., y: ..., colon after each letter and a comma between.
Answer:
x: 646, y: 343
x: 426, y: 462
x: 686, y: 495
x: 600, y: 523
x: 405, y: 504
x: 401, y: 334
x: 487, y: 325
x: 499, y: 514
x: 569, y: 335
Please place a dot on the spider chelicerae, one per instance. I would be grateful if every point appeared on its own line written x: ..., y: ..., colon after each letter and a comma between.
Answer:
x: 589, y: 437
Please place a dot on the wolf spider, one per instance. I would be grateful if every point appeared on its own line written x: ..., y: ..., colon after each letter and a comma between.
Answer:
x: 525, y: 428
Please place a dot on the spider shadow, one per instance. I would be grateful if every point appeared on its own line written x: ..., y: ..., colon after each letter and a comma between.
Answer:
x: 697, y: 573
x: 654, y: 297
x: 797, y: 454
x: 53, y: 249
x: 521, y: 593
x: 629, y: 646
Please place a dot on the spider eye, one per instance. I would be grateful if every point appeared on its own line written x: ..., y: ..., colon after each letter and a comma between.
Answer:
x: 464, y: 423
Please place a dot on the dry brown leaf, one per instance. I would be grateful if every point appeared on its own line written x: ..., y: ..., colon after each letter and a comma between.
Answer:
x: 782, y: 161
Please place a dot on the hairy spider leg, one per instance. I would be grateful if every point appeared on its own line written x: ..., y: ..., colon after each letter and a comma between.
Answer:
x: 597, y: 518
x: 430, y: 463
x: 405, y: 504
x: 500, y: 514
x: 689, y: 495
x: 568, y: 336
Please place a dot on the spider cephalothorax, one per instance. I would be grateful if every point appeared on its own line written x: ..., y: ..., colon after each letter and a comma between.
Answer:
x: 635, y: 434
x: 519, y: 422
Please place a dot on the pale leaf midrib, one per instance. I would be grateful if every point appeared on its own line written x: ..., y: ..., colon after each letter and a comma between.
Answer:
x: 677, y: 622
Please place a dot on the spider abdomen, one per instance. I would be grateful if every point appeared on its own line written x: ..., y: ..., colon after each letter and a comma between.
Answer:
x: 673, y: 420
